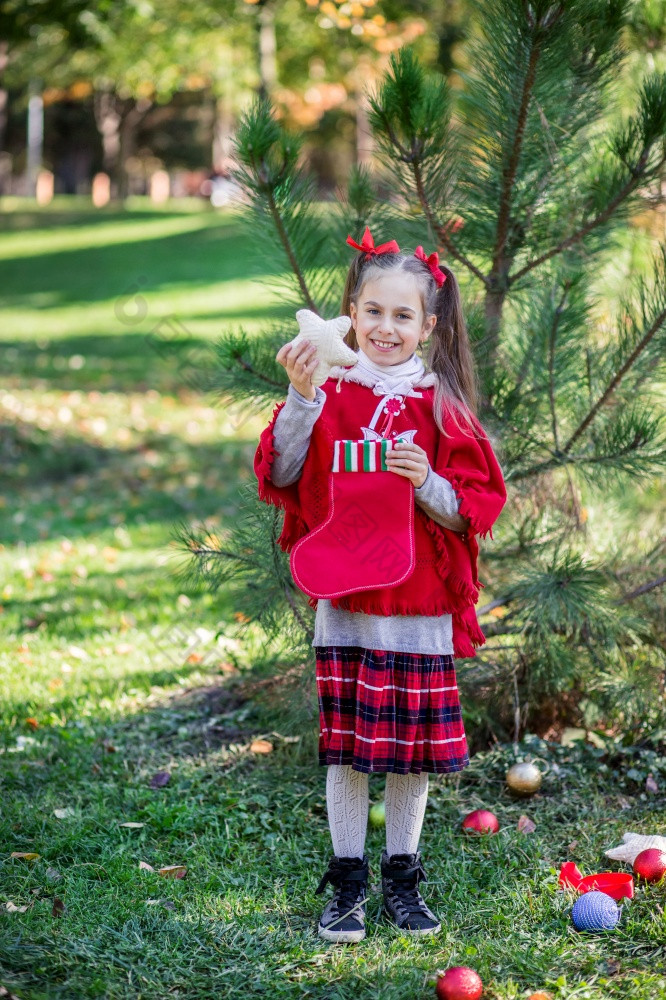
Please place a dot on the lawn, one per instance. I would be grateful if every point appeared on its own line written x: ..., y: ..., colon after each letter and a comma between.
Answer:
x: 128, y: 698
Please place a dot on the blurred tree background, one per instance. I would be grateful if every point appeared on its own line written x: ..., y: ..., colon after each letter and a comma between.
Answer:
x: 132, y: 86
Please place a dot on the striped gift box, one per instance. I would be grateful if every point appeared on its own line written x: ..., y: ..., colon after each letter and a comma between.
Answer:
x: 360, y: 456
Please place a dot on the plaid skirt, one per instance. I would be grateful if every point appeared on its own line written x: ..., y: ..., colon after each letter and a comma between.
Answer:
x: 385, y: 711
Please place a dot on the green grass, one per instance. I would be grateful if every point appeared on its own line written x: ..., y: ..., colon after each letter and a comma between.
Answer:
x: 110, y: 671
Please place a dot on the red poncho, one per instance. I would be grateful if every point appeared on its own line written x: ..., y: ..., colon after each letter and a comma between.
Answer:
x: 445, y: 577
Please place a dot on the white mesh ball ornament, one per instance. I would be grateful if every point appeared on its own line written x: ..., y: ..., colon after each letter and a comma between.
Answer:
x: 327, y: 337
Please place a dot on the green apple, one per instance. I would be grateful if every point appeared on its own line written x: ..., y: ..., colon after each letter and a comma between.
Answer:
x: 378, y: 815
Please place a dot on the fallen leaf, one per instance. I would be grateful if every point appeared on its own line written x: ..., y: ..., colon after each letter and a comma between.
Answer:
x: 132, y: 826
x: 53, y: 874
x: 166, y: 903
x: 6, y: 995
x: 573, y: 845
x: 624, y: 803
x: 77, y: 653
x: 173, y: 871
x: 261, y: 746
x: 526, y: 825
x: 12, y: 908
x: 33, y: 623
x: 109, y: 747
x: 160, y: 779
x: 571, y: 735
x: 651, y: 785
x: 32, y: 722
x: 64, y: 813
x: 144, y: 866
x: 58, y: 907
x: 26, y: 855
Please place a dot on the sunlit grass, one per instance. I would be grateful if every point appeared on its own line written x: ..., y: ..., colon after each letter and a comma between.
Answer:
x: 112, y: 670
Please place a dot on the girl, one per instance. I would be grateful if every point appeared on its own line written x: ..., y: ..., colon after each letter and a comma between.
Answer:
x: 386, y: 682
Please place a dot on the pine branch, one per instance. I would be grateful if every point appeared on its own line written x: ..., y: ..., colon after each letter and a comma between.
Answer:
x: 509, y: 173
x: 615, y: 381
x: 551, y: 362
x: 276, y: 186
x: 639, y: 138
x: 245, y: 368
x: 644, y: 589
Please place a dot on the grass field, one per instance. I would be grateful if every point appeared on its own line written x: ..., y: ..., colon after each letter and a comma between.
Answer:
x: 112, y: 678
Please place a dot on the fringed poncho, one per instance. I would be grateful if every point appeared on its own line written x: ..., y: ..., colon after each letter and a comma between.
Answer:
x: 445, y: 578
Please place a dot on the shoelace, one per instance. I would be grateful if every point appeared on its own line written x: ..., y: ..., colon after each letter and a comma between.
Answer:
x: 410, y: 900
x: 347, y: 901
x: 345, y: 896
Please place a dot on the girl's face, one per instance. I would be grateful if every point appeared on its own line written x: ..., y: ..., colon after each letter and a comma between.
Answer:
x: 388, y: 318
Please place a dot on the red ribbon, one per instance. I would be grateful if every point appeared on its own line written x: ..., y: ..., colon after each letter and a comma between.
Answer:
x: 367, y: 245
x: 432, y: 263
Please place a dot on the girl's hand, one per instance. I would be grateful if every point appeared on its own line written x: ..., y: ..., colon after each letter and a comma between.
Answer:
x: 408, y: 460
x: 300, y: 362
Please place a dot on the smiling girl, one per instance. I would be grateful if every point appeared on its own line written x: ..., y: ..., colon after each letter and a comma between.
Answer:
x: 404, y: 545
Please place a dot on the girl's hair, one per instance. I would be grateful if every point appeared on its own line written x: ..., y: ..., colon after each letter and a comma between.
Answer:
x: 447, y: 352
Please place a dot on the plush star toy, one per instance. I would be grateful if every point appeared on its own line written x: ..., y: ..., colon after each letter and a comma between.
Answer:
x: 326, y: 335
x: 632, y: 845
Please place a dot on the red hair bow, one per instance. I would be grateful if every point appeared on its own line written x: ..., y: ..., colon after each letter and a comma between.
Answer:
x: 432, y: 263
x: 367, y: 245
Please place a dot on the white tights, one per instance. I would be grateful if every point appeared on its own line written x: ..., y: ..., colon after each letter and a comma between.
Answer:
x: 347, y: 797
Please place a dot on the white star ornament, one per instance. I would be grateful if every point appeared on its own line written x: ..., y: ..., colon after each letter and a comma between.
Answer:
x: 326, y: 335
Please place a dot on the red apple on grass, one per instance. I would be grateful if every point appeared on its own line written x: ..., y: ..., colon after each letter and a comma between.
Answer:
x: 480, y: 821
x: 459, y: 983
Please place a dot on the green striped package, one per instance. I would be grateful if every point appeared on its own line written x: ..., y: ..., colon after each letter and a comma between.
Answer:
x: 360, y: 456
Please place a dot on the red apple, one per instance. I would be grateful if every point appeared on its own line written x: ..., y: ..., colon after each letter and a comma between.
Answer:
x: 480, y: 821
x: 459, y: 983
x: 650, y: 864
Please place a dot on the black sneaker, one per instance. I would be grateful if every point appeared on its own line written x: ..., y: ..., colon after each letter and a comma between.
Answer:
x: 343, y: 919
x: 403, y: 903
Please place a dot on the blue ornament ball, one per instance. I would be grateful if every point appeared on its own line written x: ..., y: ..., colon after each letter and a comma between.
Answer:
x: 595, y: 911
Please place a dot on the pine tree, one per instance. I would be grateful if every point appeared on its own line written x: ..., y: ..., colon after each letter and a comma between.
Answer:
x: 525, y: 182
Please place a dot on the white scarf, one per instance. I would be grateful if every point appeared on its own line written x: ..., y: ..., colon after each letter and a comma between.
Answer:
x: 387, y: 380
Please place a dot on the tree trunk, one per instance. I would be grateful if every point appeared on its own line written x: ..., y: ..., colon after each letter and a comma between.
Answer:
x: 35, y: 136
x: 364, y: 139
x: 267, y: 49
x: 4, y: 95
x: 131, y: 119
x: 117, y: 122
x: 222, y: 151
x: 108, y: 119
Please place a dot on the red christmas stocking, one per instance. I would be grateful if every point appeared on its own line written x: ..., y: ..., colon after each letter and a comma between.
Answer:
x: 367, y: 541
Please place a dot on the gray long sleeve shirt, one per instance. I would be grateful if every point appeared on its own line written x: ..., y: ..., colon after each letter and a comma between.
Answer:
x: 428, y: 634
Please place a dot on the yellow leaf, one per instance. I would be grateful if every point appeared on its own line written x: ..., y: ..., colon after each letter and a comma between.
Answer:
x: 173, y: 871
x: 25, y: 855
x: 261, y: 746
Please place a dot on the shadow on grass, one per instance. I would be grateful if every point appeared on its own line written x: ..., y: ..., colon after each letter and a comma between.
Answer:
x: 213, y: 251
x: 20, y: 219
x: 165, y: 357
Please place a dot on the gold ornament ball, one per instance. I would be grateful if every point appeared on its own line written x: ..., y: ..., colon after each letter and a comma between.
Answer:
x: 524, y: 779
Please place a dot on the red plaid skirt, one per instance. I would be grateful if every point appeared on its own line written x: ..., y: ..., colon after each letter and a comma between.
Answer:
x: 385, y: 711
